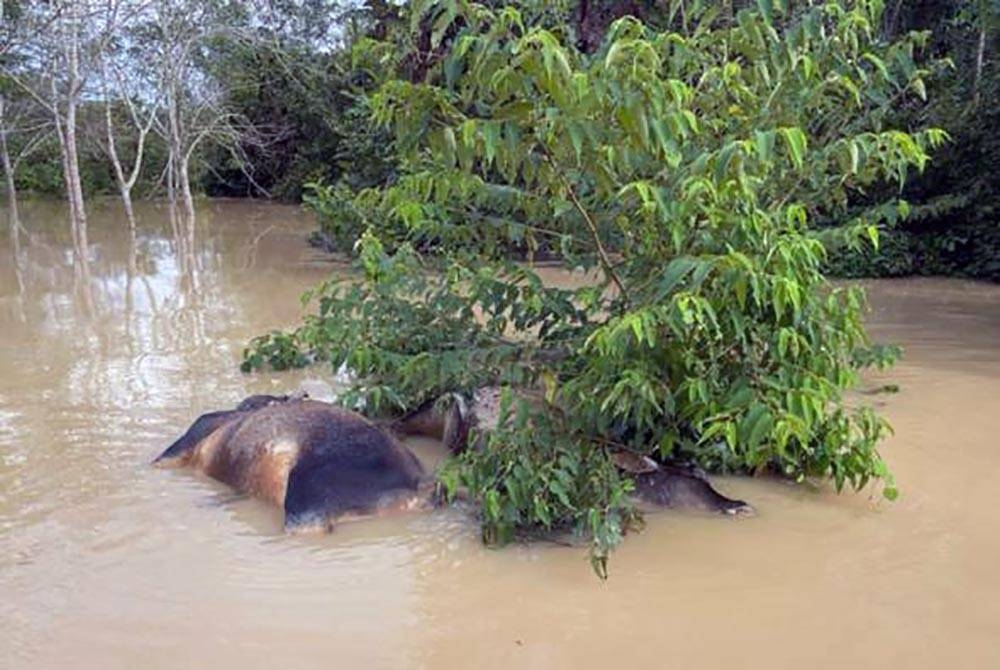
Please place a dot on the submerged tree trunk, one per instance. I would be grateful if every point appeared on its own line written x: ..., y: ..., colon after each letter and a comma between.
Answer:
x: 74, y: 187
x: 124, y: 184
x: 174, y: 140
x: 78, y: 212
x: 179, y: 180
x: 188, y: 222
x: 8, y: 169
x: 68, y: 149
x: 172, y: 196
x: 179, y: 186
x: 180, y: 156
x: 13, y: 214
x: 66, y: 133
x: 185, y: 186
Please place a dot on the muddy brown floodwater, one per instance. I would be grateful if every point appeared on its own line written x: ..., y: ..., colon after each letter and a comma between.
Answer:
x: 108, y: 563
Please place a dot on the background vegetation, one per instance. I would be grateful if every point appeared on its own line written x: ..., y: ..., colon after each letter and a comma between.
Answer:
x: 298, y: 85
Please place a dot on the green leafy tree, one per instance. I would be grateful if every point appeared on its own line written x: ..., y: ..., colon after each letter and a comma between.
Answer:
x: 953, y: 228
x: 684, y: 168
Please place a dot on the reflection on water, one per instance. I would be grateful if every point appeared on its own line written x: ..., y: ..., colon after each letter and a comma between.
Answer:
x: 105, y: 562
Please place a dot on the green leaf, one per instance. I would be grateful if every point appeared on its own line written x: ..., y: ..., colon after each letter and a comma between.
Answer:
x: 673, y: 275
x: 764, y: 142
x: 441, y: 25
x: 576, y: 137
x: 795, y: 141
x: 760, y: 423
x: 766, y: 8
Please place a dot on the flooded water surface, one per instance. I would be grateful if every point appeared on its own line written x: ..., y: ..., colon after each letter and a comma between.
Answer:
x: 106, y: 562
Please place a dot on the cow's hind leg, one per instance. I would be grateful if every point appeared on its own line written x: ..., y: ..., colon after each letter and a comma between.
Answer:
x: 204, y: 426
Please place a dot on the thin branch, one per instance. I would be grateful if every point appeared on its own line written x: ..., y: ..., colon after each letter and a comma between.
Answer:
x: 606, y: 264
x: 30, y: 146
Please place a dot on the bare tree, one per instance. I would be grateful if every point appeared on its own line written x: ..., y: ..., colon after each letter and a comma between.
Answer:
x: 8, y: 166
x: 64, y: 107
x: 142, y: 128
x: 118, y: 87
x: 16, y: 118
x: 196, y: 109
x: 51, y: 44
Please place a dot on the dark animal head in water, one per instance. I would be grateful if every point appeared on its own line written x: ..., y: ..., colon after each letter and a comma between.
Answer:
x: 682, y: 487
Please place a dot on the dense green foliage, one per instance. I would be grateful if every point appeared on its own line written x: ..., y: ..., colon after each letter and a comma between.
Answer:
x: 286, y: 71
x: 307, y: 104
x: 685, y: 167
x: 954, y: 228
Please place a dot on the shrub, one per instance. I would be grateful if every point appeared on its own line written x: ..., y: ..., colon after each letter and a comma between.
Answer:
x: 685, y: 166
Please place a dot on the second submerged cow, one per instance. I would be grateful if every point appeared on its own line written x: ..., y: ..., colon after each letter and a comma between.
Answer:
x: 462, y: 422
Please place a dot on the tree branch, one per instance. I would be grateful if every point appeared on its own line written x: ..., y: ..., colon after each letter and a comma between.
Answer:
x: 606, y: 265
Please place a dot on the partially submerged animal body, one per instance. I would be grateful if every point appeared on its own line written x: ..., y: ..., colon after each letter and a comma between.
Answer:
x: 685, y: 488
x: 456, y: 420
x: 318, y: 462
x: 322, y: 464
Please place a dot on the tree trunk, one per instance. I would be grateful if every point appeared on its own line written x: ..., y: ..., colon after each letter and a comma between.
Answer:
x: 133, y: 237
x: 12, y: 209
x: 74, y: 188
x: 178, y: 154
x: 70, y: 156
x: 126, y: 193
x: 980, y: 57
x: 185, y: 185
x: 175, y: 142
x: 189, y: 225
x: 8, y: 170
x: 172, y: 195
x: 68, y: 144
x: 124, y: 185
x: 182, y: 184
x: 174, y: 150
